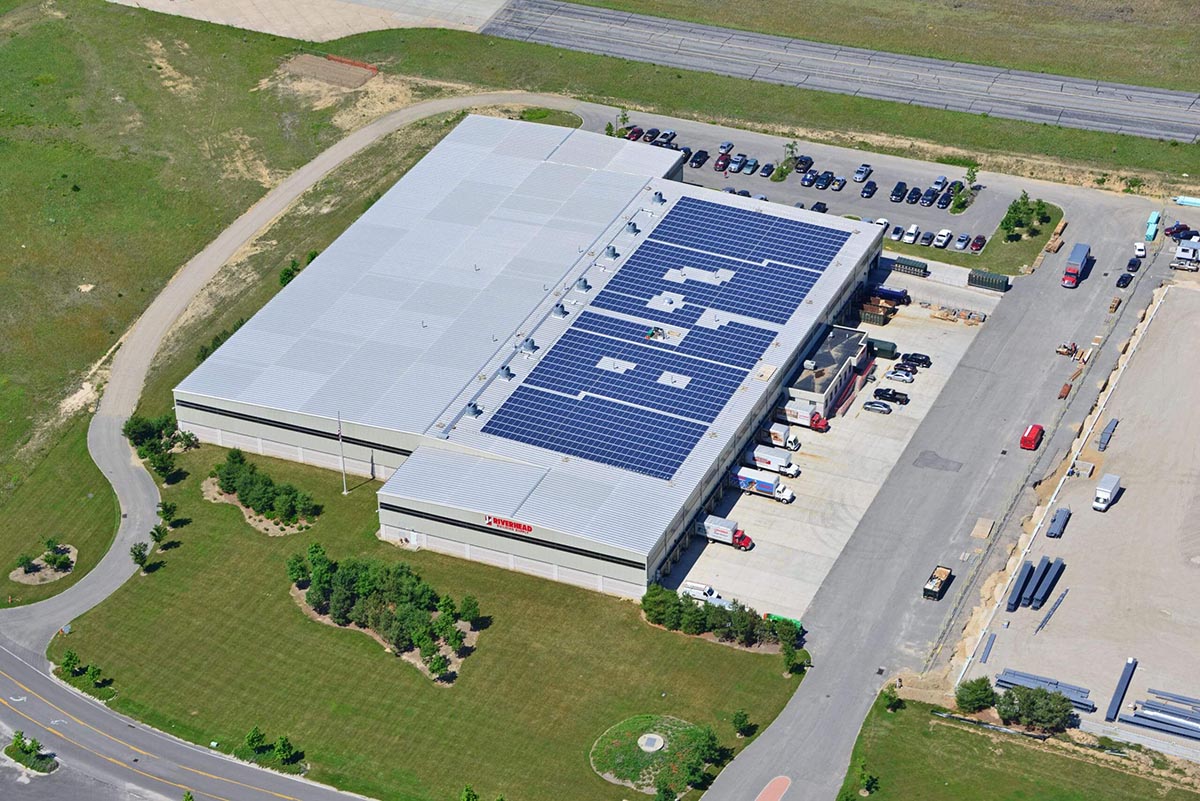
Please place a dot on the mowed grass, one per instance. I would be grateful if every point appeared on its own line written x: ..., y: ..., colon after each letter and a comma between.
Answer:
x: 211, y: 644
x: 66, y: 498
x: 997, y: 256
x: 501, y: 63
x: 918, y: 757
x: 128, y: 140
x: 1136, y: 41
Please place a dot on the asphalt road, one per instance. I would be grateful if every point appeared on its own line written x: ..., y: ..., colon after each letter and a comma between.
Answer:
x: 90, y: 739
x: 1057, y: 100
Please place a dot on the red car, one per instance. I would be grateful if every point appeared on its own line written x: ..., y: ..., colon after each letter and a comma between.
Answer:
x: 635, y: 133
x: 722, y: 162
x: 1176, y: 229
x: 977, y: 243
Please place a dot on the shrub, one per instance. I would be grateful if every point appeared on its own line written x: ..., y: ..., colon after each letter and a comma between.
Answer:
x: 975, y: 695
x: 25, y: 562
x: 258, y: 491
x: 1035, y: 707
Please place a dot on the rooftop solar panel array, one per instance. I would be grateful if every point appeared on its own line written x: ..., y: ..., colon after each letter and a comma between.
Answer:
x: 614, y: 390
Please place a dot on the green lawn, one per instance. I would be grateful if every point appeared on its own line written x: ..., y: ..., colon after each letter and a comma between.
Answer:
x: 918, y: 757
x: 997, y: 256
x: 551, y: 116
x: 555, y: 669
x: 1137, y: 41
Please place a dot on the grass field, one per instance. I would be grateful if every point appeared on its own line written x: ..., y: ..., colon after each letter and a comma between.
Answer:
x: 997, y: 256
x: 918, y: 757
x: 1137, y: 41
x: 556, y: 667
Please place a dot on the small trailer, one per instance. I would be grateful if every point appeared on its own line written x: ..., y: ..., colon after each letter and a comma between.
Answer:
x: 939, y: 579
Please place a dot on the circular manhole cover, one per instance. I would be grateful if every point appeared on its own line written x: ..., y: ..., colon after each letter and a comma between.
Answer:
x: 651, y: 742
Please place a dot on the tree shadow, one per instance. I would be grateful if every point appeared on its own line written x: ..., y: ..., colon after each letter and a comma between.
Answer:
x: 180, y: 522
x: 750, y: 730
x: 154, y: 567
x: 104, y: 682
x: 448, y: 677
x: 169, y: 545
x: 175, y: 476
x: 482, y: 623
x: 465, y: 651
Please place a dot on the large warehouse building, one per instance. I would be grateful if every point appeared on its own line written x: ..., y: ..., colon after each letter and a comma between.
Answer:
x: 551, y: 347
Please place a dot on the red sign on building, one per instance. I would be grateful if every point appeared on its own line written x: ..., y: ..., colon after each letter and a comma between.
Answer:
x: 510, y: 525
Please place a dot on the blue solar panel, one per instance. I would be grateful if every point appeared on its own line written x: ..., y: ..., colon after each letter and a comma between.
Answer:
x: 597, y: 429
x: 607, y: 392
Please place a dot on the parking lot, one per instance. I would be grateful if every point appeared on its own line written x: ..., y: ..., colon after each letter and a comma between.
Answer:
x: 982, y: 217
x: 1131, y: 572
x: 796, y: 544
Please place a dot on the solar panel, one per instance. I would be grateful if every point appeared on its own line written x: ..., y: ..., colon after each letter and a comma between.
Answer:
x: 611, y: 391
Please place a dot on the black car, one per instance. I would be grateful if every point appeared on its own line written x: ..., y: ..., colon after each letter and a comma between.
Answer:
x: 803, y: 163
x: 893, y: 395
x: 945, y: 200
x: 905, y: 367
x: 1134, y: 265
x: 809, y: 178
x: 930, y: 197
x: 744, y: 192
x: 825, y: 179
x: 1125, y: 280
x: 927, y: 238
x: 914, y: 195
x: 955, y: 187
x: 919, y: 359
x: 819, y: 207
x: 868, y: 189
x: 698, y: 158
x: 650, y: 135
x: 899, y: 191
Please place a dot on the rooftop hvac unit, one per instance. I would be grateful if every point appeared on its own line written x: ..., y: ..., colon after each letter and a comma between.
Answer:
x: 631, y: 228
x: 610, y: 252
x: 582, y: 284
x: 560, y: 311
x: 658, y: 198
x: 506, y: 373
x: 473, y: 409
x: 809, y: 364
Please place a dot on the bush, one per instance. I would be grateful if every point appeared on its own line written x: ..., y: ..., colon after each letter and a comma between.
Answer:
x: 258, y: 491
x: 25, y: 562
x: 1035, y: 707
x: 975, y: 695
x: 738, y: 623
x: 150, y: 435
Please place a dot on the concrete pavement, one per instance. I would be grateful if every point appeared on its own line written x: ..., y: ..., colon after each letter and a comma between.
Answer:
x: 957, y: 86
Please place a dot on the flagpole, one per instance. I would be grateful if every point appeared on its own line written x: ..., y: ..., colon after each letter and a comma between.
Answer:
x: 342, y: 452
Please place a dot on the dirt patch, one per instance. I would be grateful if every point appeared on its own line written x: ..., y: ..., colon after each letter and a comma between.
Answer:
x: 412, y: 656
x: 44, y: 574
x: 272, y: 528
x: 243, y: 161
x: 347, y: 76
x: 172, y: 79
x: 20, y: 18
x: 86, y: 288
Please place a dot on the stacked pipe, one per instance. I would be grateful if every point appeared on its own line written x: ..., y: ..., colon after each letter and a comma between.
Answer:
x: 1078, y: 696
x: 1034, y: 585
x: 1175, y: 714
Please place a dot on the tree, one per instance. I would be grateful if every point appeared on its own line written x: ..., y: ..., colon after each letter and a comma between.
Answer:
x: 188, y: 441
x: 159, y: 533
x: 975, y: 695
x: 33, y: 747
x: 283, y: 750
x: 439, y: 665
x: 1040, y: 212
x: 139, y: 553
x: 446, y: 607
x: 166, y: 511
x: 693, y: 619
x: 25, y: 562
x: 52, y: 545
x: 163, y: 463
x: 311, y: 256
x: 741, y: 723
x: 971, y: 176
x: 891, y: 699
x: 866, y: 781
x: 468, y: 610
x: 468, y: 794
x: 1008, y: 226
x: 456, y: 640
x: 663, y: 790
x: 789, y: 656
x: 1035, y: 707
x: 92, y: 674
x: 288, y: 273
x: 255, y: 739
x: 297, y: 569
x: 18, y: 740
x: 187, y: 796
x: 70, y: 662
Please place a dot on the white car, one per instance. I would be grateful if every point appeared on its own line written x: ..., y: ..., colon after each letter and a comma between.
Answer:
x: 1139, y: 249
x: 943, y: 238
x: 862, y: 173
x: 883, y: 223
x: 910, y: 236
x: 962, y: 241
x: 896, y: 375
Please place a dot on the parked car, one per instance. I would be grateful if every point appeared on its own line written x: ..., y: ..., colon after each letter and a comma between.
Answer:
x: 897, y: 232
x: 744, y: 193
x: 686, y: 151
x: 698, y: 158
x: 879, y: 407
x: 766, y: 170
x: 760, y: 197
x: 899, y: 191
x: 819, y: 207
x: 910, y: 236
x: 927, y: 238
x: 667, y: 136
x: 869, y: 188
x: 726, y: 147
x: 838, y: 183
x: 919, y: 359
x: 737, y: 163
x: 1176, y: 229
x: 1124, y: 280
x: 898, y: 375
x: 955, y: 187
x: 635, y: 133
x: 883, y: 223
x: 945, y: 200
x: 862, y: 173
x: 962, y: 241
x: 722, y: 162
x: 905, y: 367
x: 751, y: 166
x: 809, y: 178
x: 1134, y: 265
x: 803, y: 163
x: 943, y: 238
x: 889, y: 394
x: 730, y: 190
x: 1139, y: 249
x: 825, y: 179
x: 798, y: 205
x: 650, y: 135
x: 977, y: 243
x: 930, y: 197
x: 939, y: 183
x: 914, y: 195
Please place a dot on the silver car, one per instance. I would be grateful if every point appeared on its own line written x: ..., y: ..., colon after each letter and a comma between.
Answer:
x: 897, y: 375
x: 879, y: 407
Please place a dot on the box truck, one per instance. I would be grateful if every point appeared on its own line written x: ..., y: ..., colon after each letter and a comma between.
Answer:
x: 760, y: 482
x: 1032, y: 437
x: 1075, y: 264
x: 779, y: 435
x: 802, y: 414
x: 1106, y: 492
x: 719, y: 529
x: 703, y: 593
x: 777, y: 460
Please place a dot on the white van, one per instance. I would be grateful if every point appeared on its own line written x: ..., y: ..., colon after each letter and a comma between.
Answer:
x: 910, y: 236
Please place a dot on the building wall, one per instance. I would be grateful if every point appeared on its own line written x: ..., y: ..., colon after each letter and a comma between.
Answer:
x: 534, y: 550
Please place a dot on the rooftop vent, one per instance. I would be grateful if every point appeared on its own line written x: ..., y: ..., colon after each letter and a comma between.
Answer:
x: 658, y: 198
x: 809, y: 364
x: 528, y: 345
x: 560, y: 311
x: 631, y: 228
x: 506, y: 373
x: 473, y: 409
x: 610, y: 252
